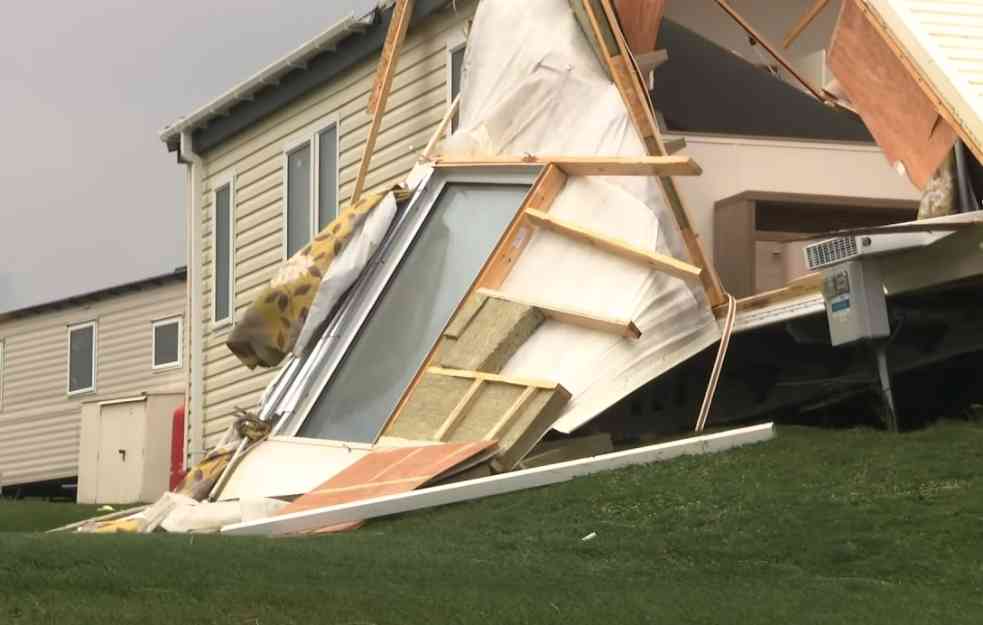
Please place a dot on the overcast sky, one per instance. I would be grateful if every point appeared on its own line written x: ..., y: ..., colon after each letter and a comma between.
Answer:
x: 91, y: 198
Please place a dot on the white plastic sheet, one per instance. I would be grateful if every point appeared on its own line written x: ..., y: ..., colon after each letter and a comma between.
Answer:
x: 345, y: 269
x: 532, y: 84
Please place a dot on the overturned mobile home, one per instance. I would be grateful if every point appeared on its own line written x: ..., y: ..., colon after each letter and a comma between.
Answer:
x: 536, y: 276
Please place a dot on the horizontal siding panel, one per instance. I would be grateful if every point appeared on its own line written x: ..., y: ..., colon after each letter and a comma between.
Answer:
x: 38, y: 420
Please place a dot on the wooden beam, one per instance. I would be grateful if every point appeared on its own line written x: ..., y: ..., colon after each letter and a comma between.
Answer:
x: 775, y: 54
x: 441, y: 129
x: 493, y: 378
x: 402, y: 13
x: 641, y: 20
x: 804, y: 22
x: 549, y: 184
x: 454, y: 418
x: 636, y: 97
x: 661, y: 262
x: 506, y: 421
x: 592, y: 165
x: 618, y: 327
x: 498, y: 484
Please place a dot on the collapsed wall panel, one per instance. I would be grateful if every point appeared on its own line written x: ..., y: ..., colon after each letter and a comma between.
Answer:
x: 903, y: 120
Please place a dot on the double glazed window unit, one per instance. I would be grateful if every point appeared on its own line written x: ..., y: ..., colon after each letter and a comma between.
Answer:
x: 368, y: 356
x: 310, y: 187
x: 82, y: 358
x: 167, y: 347
x: 223, y: 253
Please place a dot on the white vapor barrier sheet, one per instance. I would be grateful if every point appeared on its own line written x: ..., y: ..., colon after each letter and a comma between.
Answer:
x: 532, y: 84
x: 284, y: 467
x: 345, y: 269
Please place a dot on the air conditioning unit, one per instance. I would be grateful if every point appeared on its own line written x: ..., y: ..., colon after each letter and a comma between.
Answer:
x: 851, y: 247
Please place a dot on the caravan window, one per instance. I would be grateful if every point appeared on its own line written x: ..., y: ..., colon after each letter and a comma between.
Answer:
x: 311, y: 187
x: 430, y: 262
x: 167, y: 344
x: 81, y: 358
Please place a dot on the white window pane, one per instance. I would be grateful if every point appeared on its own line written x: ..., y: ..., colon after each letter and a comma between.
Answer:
x: 435, y: 274
x: 223, y: 245
x: 167, y: 340
x: 327, y: 188
x: 80, y: 350
x: 298, y: 199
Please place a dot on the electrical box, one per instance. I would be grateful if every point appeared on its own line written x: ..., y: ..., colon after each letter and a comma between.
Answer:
x: 855, y: 303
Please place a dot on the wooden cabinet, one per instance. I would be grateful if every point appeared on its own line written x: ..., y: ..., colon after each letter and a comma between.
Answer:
x: 757, y: 234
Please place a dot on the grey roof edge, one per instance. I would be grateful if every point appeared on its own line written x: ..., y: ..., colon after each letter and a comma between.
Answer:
x: 268, y: 75
x: 178, y: 275
x: 214, y: 126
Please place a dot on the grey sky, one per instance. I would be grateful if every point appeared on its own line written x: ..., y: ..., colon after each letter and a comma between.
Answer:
x: 90, y: 196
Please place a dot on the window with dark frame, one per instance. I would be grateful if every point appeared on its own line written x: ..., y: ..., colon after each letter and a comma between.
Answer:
x: 222, y: 246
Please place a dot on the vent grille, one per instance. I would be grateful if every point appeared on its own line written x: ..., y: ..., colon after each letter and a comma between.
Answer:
x: 830, y: 252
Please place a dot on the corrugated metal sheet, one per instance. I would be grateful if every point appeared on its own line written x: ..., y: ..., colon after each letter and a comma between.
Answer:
x: 944, y: 41
x: 39, y: 422
x: 255, y: 158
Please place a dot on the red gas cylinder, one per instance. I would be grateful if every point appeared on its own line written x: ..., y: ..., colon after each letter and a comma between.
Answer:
x: 177, y: 447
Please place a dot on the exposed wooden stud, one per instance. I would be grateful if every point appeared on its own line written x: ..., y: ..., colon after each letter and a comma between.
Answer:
x: 402, y: 13
x: 618, y: 327
x: 633, y: 92
x: 506, y: 421
x: 593, y: 165
x: 491, y: 377
x: 804, y: 22
x: 775, y: 54
x: 661, y: 262
x: 454, y: 418
x: 441, y: 129
x: 549, y: 184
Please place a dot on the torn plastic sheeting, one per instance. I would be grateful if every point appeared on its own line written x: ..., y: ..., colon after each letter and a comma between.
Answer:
x: 532, y: 84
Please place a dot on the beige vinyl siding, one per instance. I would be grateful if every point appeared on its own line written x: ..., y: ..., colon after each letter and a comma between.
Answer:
x: 39, y: 422
x: 255, y: 158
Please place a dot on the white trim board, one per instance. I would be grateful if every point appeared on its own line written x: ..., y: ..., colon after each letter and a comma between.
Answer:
x: 499, y: 484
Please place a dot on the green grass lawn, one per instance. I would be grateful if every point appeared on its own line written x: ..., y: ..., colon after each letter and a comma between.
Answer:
x: 849, y: 526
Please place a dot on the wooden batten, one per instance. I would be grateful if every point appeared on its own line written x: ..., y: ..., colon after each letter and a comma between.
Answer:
x: 661, y: 262
x: 503, y: 424
x: 380, y: 90
x: 592, y: 165
x: 454, y: 418
x: 803, y: 23
x: 618, y: 327
x: 492, y: 377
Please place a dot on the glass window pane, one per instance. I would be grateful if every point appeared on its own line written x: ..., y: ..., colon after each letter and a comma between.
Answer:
x: 298, y: 199
x: 460, y: 233
x: 81, y: 345
x: 327, y: 187
x: 223, y: 244
x: 166, y: 341
x: 457, y: 69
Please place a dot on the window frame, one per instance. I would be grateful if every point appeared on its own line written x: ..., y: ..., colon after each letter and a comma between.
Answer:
x: 94, y: 324
x: 456, y: 42
x: 352, y: 315
x: 229, y: 181
x: 312, y: 140
x: 179, y: 319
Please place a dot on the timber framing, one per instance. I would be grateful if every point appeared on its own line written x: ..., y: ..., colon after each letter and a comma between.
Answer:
x: 592, y: 165
x: 602, y: 23
x: 617, y: 327
x: 661, y: 262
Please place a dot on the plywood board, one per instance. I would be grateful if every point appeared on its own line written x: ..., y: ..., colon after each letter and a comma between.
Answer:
x: 903, y: 120
x: 640, y: 20
x: 387, y: 472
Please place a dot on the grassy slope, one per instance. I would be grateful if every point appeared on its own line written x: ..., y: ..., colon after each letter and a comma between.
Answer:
x: 815, y: 527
